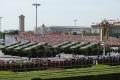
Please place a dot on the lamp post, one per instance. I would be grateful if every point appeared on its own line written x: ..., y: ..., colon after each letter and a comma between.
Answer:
x: 36, y: 5
x: 0, y: 23
x: 75, y: 22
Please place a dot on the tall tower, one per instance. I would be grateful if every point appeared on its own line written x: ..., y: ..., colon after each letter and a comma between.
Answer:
x: 21, y: 23
x: 104, y: 29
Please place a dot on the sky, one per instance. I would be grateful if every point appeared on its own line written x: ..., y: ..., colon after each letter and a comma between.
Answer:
x: 57, y: 12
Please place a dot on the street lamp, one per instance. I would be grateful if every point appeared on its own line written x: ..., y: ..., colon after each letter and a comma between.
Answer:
x: 75, y: 22
x: 0, y: 23
x: 36, y: 5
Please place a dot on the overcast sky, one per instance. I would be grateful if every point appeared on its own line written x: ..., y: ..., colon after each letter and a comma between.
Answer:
x: 57, y: 12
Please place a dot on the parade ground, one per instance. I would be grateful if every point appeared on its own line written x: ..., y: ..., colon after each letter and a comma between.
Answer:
x: 66, y: 74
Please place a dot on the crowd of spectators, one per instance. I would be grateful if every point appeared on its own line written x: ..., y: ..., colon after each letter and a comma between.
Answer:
x: 57, y: 37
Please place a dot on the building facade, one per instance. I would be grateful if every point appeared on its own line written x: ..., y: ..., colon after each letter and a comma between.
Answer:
x: 65, y: 29
x: 113, y: 29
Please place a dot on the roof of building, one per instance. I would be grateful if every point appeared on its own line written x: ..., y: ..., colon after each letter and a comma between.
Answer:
x: 112, y: 25
x: 81, y: 27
